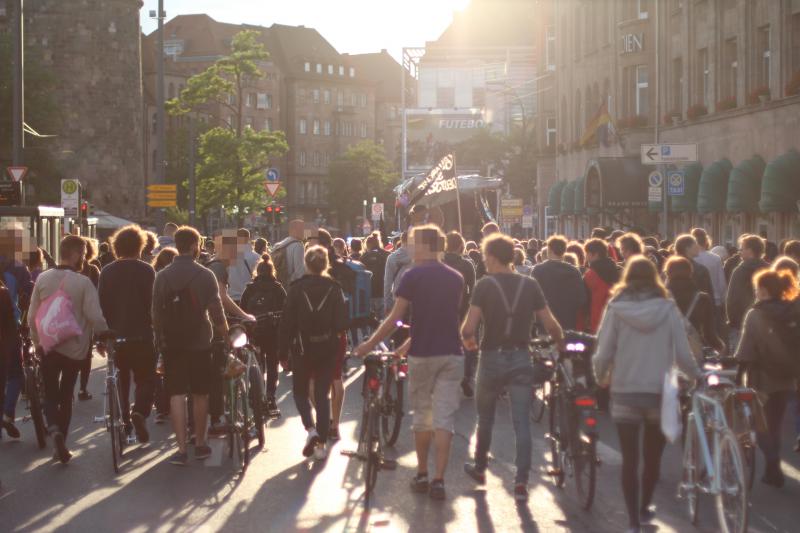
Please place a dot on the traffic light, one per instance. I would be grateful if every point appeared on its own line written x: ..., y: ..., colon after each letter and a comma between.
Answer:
x: 84, y: 210
x: 269, y: 212
x: 278, y: 214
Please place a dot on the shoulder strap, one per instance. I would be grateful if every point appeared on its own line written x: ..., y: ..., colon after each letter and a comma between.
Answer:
x: 692, y: 306
x: 321, y: 304
x: 510, y: 309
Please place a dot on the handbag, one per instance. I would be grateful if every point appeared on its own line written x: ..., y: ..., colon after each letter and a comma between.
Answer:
x: 55, y: 319
x: 671, y: 425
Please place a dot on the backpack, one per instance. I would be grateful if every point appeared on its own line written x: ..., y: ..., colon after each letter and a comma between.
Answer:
x: 694, y: 337
x: 358, y: 301
x: 262, y: 300
x: 280, y: 258
x: 786, y: 362
x: 317, y: 323
x: 55, y: 319
x: 182, y: 316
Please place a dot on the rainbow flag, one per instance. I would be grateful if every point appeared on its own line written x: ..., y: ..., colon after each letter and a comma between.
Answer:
x: 600, y: 119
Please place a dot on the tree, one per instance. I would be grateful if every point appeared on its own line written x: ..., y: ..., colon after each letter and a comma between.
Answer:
x: 362, y: 172
x: 232, y: 158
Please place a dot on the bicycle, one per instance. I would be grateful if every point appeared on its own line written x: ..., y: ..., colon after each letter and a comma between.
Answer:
x: 715, y: 467
x: 247, y: 353
x: 572, y: 422
x: 112, y: 404
x: 34, y: 387
x: 394, y: 378
x: 543, y: 357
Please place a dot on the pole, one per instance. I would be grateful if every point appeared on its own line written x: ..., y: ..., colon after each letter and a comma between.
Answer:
x: 192, y: 183
x: 161, y: 139
x: 662, y: 168
x: 458, y: 197
x: 18, y: 91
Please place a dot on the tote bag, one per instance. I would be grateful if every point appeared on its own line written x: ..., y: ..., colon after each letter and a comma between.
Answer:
x: 55, y: 319
x: 670, y: 406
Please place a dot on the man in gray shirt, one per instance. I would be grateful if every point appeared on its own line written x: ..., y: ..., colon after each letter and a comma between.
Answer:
x: 187, y: 313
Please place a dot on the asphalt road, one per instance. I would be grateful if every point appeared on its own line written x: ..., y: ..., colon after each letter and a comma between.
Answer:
x: 282, y: 492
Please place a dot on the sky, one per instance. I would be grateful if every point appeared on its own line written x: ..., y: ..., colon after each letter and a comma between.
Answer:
x: 351, y: 26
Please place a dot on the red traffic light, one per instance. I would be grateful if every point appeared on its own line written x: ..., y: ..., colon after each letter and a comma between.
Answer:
x: 268, y: 209
x: 84, y: 208
x: 278, y: 209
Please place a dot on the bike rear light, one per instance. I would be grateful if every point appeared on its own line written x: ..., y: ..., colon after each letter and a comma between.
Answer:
x: 374, y: 384
x: 585, y: 401
x: 576, y: 347
x: 590, y: 421
x: 713, y: 380
x: 745, y: 395
x: 403, y: 368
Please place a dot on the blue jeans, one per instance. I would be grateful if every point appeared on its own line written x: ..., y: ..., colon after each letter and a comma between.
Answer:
x: 15, y: 375
x: 514, y: 371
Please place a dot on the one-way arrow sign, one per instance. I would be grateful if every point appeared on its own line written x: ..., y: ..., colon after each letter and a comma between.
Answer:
x: 651, y: 153
x: 657, y: 154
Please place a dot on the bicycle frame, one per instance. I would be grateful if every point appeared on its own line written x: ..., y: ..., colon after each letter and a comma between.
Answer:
x: 699, y: 401
x: 112, y: 383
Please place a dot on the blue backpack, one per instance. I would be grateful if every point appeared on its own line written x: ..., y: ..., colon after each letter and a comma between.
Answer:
x: 358, y: 299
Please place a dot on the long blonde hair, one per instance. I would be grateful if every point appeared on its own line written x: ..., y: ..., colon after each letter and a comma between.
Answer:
x: 640, y: 274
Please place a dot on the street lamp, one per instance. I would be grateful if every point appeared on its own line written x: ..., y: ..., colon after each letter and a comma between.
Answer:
x: 160, y: 133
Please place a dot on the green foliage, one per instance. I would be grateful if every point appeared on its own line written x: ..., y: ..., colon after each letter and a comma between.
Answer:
x: 177, y: 215
x: 360, y: 173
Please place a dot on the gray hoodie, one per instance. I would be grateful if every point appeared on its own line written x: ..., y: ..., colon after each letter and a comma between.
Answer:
x: 639, y: 338
x: 396, y: 265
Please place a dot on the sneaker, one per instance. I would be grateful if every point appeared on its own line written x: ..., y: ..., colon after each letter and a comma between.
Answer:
x: 320, y: 452
x: 84, y: 396
x: 272, y: 408
x: 419, y: 483
x: 475, y: 473
x: 437, y: 489
x: 466, y: 388
x: 648, y: 514
x: 60, y: 445
x: 202, y: 452
x: 311, y: 441
x: 333, y: 434
x: 179, y: 459
x: 140, y: 425
x: 10, y: 428
x: 521, y: 492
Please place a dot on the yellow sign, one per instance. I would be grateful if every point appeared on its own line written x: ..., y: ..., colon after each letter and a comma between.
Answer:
x: 161, y: 196
x: 167, y: 187
x: 161, y: 203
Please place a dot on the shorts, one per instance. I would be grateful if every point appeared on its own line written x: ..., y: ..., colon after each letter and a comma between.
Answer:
x: 627, y: 414
x: 434, y: 386
x: 188, y: 372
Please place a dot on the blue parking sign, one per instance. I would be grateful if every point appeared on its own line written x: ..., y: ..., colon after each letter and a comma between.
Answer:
x: 666, y: 150
x: 676, y: 183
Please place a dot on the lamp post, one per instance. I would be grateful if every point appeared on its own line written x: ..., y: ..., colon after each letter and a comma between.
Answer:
x: 18, y: 86
x: 161, y: 150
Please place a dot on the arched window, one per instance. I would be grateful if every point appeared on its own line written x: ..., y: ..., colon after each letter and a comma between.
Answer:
x: 578, y: 116
x: 564, y: 119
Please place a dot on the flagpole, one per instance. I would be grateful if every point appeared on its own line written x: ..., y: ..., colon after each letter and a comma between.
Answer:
x: 458, y: 197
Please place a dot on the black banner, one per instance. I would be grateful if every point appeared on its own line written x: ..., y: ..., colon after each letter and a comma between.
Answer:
x: 440, y: 180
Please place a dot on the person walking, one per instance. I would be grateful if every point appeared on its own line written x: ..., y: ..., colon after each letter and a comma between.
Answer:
x: 454, y: 258
x: 126, y: 293
x: 315, y: 315
x: 740, y: 295
x: 374, y: 260
x: 436, y: 367
x: 763, y: 343
x: 600, y: 277
x: 240, y: 272
x: 716, y: 270
x: 187, y: 315
x: 641, y: 336
x: 160, y: 262
x: 92, y: 272
x: 287, y: 255
x: 686, y: 246
x: 61, y: 363
x: 561, y: 283
x: 167, y: 239
x: 398, y: 262
x: 262, y: 296
x: 507, y: 303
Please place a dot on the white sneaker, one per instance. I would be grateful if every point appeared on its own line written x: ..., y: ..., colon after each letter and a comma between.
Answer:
x: 311, y: 440
x: 320, y: 452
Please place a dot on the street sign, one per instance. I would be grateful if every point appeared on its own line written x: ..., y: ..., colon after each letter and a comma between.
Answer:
x: 17, y: 173
x: 273, y: 174
x: 161, y: 196
x: 70, y: 197
x: 654, y: 194
x: 527, y: 221
x: 655, y: 179
x: 527, y: 210
x: 657, y: 154
x: 272, y: 187
x: 676, y: 183
x: 377, y: 212
x: 162, y: 187
x: 10, y: 193
x: 161, y: 203
x: 511, y: 210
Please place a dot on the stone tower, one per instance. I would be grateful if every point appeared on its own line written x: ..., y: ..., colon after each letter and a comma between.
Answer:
x: 93, y: 48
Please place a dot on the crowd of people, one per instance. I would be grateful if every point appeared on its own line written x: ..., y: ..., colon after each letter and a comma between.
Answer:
x: 473, y: 309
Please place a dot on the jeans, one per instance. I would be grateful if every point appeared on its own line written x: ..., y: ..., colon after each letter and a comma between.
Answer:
x: 12, y: 359
x: 139, y: 359
x: 60, y: 374
x: 770, y: 440
x: 320, y: 369
x: 268, y: 359
x: 514, y: 371
x: 733, y: 339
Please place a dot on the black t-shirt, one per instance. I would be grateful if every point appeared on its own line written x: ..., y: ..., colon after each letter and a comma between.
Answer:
x: 220, y: 271
x: 126, y: 292
x: 487, y: 297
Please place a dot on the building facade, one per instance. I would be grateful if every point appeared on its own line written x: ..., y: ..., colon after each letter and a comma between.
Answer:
x: 724, y: 74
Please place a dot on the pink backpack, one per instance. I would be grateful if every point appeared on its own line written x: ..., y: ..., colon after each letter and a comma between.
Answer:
x: 55, y: 320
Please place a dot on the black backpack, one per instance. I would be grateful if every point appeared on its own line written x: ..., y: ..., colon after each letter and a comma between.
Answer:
x: 317, y: 320
x: 263, y: 301
x: 182, y: 316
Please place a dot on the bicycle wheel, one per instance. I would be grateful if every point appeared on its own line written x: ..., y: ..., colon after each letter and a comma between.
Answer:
x: 373, y: 454
x: 392, y: 413
x: 691, y: 468
x: 113, y: 430
x: 241, y: 429
x: 732, y: 511
x: 556, y: 470
x: 585, y: 467
x: 34, y: 400
x: 257, y: 403
x: 539, y: 398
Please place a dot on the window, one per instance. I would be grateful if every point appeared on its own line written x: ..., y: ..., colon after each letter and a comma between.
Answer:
x: 231, y: 99
x: 248, y: 122
x: 642, y: 8
x: 303, y: 126
x: 319, y: 68
x: 301, y: 157
x: 642, y: 91
x: 315, y: 95
x: 550, y: 47
x: 446, y: 97
x: 353, y: 99
x: 250, y: 100
x: 330, y: 70
x: 478, y: 97
x: 564, y: 119
x: 316, y: 126
x: 348, y: 129
x: 363, y: 129
x: 677, y: 85
x: 363, y: 100
x: 326, y: 96
x: 341, y: 70
x: 550, y: 131
x: 326, y: 128
x: 171, y: 91
x: 317, y: 159
x: 340, y: 98
x: 301, y: 96
x: 763, y: 67
x: 703, y: 74
x: 264, y: 101
x: 352, y: 72
x: 268, y: 124
x: 307, y: 67
x: 326, y: 159
x: 731, y: 66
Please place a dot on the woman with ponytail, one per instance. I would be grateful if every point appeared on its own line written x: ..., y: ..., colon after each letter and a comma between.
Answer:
x: 264, y: 298
x: 767, y: 354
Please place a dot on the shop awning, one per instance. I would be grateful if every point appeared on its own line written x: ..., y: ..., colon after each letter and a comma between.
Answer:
x: 580, y: 195
x: 688, y: 202
x: 554, y: 198
x: 614, y: 183
x: 780, y: 184
x: 744, y: 185
x: 107, y: 221
x: 713, y: 191
x: 568, y: 199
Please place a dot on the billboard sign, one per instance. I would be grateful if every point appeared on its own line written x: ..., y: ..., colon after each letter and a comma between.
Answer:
x: 434, y: 133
